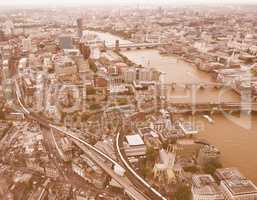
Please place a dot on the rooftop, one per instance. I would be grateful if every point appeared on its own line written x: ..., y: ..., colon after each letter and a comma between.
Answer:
x: 235, y: 182
x: 134, y: 140
x: 210, y: 149
x: 204, y: 184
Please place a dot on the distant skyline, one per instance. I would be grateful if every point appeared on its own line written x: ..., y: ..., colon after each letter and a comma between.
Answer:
x: 120, y: 2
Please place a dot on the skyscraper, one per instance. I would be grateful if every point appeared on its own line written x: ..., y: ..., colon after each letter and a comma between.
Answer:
x: 26, y: 44
x: 80, y: 26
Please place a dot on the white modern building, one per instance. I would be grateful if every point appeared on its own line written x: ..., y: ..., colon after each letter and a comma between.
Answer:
x: 135, y: 146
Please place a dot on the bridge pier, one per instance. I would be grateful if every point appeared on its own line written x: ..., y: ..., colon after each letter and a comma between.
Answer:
x: 193, y: 111
x: 231, y: 112
x: 201, y: 87
x: 247, y: 112
x: 217, y: 86
x: 187, y: 86
x: 214, y: 110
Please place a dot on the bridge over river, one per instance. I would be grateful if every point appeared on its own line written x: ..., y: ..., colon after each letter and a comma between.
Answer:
x: 129, y: 46
x: 212, y: 107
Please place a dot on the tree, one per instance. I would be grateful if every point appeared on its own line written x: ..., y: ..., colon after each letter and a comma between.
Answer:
x: 146, y: 171
x: 63, y: 115
x: 182, y: 193
x: 192, y: 169
x: 92, y: 65
x: 151, y: 153
x: 122, y: 101
x: 90, y: 90
x: 2, y: 115
x: 165, y: 144
x: 254, y: 71
x: 211, y: 166
x: 95, y: 106
x: 84, y: 117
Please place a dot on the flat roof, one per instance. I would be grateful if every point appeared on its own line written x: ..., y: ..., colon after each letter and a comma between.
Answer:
x: 134, y: 140
x: 204, y: 184
x: 235, y: 182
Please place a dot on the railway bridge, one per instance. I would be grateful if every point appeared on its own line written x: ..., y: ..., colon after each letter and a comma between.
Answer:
x: 212, y: 107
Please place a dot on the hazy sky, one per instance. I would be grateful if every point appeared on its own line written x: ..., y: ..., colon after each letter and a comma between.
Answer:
x: 110, y: 2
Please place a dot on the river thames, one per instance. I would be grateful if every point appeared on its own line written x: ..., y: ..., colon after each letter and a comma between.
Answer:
x: 235, y: 136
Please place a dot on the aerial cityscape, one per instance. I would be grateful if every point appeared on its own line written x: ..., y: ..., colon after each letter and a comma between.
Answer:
x: 128, y: 101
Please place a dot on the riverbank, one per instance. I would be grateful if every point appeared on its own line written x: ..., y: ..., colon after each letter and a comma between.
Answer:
x: 120, y: 35
x: 229, y: 137
x: 236, y: 143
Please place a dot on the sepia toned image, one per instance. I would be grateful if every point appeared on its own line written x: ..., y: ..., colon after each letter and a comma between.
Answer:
x: 128, y: 100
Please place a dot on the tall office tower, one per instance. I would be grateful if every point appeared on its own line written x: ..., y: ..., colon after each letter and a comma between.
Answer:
x: 26, y: 44
x: 80, y: 27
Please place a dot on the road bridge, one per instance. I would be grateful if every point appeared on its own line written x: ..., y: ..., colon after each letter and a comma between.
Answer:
x: 212, y: 107
x: 197, y: 85
x: 129, y: 46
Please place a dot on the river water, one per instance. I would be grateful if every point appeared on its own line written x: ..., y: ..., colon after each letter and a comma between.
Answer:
x: 235, y: 137
x: 176, y: 70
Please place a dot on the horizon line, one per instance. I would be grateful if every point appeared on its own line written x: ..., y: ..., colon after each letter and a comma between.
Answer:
x: 98, y: 4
